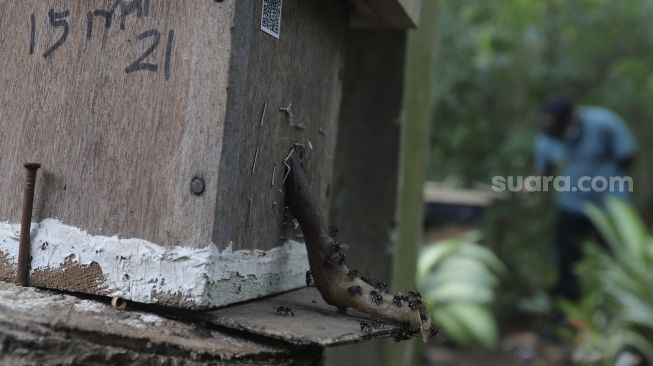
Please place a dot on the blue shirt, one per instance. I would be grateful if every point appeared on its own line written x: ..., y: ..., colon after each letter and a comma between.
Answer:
x: 592, y: 149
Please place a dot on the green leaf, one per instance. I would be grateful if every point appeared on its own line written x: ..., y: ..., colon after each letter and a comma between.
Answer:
x: 460, y: 292
x: 462, y: 271
x: 432, y: 256
x: 604, y: 225
x: 483, y: 255
x: 629, y: 226
x: 468, y: 323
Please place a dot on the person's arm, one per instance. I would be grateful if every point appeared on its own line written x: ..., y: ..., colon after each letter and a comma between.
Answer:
x: 544, y: 164
x: 624, y: 146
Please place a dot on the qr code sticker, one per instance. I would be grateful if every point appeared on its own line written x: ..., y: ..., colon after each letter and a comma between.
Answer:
x: 271, y: 17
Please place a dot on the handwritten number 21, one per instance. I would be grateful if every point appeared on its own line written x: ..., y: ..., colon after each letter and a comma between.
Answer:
x: 58, y: 20
x: 140, y: 63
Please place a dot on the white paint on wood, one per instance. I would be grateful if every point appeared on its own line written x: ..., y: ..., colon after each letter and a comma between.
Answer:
x: 141, y: 271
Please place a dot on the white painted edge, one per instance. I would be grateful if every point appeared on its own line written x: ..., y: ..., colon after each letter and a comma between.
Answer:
x: 139, y: 270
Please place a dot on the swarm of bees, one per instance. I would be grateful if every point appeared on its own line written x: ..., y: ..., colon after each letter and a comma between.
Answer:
x: 399, y: 298
x: 403, y: 333
x: 355, y: 290
x: 352, y: 274
x: 381, y: 287
x: 367, y: 327
x: 376, y: 297
x: 414, y: 300
x: 284, y: 310
x: 334, y: 259
x: 341, y: 285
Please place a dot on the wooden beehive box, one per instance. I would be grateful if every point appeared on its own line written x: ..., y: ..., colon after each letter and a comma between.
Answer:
x: 162, y: 139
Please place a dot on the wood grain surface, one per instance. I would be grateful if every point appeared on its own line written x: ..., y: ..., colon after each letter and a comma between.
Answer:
x: 74, y: 331
x: 303, y: 69
x: 121, y: 126
x: 123, y: 119
x: 314, y: 322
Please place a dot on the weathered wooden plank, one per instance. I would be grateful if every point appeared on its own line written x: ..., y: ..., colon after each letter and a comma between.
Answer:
x: 122, y: 132
x: 302, y: 69
x: 120, y: 140
x: 386, y: 13
x: 314, y: 322
x: 46, y: 328
x: 417, y: 113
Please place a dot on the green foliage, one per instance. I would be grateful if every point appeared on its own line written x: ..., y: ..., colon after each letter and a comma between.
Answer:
x: 458, y: 279
x: 498, y: 61
x: 616, y: 311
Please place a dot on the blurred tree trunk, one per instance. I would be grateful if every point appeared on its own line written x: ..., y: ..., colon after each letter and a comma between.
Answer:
x: 366, y: 167
x: 419, y: 94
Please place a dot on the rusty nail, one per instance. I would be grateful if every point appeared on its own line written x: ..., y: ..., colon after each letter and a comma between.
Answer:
x: 197, y: 186
x: 26, y: 224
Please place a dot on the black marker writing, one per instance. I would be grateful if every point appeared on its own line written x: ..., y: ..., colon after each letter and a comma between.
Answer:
x: 134, y: 6
x: 58, y: 19
x: 139, y: 64
x: 168, y: 61
x: 32, y: 34
x: 108, y: 17
x: 141, y: 8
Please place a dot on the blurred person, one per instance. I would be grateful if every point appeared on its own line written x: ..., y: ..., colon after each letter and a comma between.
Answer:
x: 580, y: 144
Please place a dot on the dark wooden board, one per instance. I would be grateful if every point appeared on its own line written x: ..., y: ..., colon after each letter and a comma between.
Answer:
x: 303, y: 68
x: 314, y: 323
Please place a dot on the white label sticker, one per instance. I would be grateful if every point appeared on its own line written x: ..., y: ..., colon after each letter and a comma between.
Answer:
x: 271, y: 17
